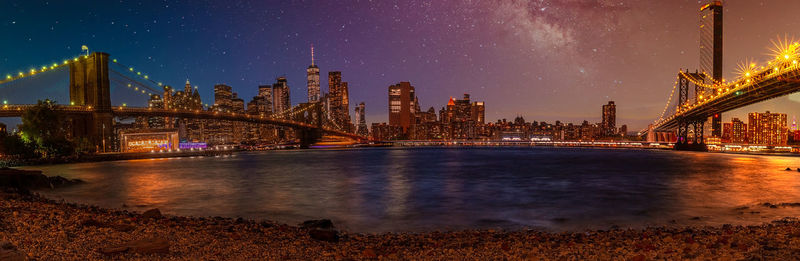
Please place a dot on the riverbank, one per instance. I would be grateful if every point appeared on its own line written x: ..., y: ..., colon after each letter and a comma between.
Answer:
x: 12, y: 162
x: 37, y: 228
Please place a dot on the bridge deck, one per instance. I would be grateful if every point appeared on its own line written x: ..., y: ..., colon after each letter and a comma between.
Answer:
x: 18, y: 110
x: 765, y: 86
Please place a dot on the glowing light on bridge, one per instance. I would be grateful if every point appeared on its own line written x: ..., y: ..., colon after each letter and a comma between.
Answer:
x: 745, y: 68
x: 784, y: 49
x: 786, y: 53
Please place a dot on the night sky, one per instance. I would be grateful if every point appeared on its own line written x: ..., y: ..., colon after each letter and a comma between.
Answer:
x: 544, y: 60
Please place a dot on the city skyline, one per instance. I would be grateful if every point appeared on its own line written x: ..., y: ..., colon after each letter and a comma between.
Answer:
x: 438, y: 49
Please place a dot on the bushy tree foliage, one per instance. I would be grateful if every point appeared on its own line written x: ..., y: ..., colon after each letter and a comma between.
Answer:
x: 44, y: 127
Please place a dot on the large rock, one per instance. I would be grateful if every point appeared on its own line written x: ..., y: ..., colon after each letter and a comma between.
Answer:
x: 321, y: 223
x: 9, y: 252
x: 24, y: 180
x: 153, y: 213
x: 328, y: 235
x: 155, y: 245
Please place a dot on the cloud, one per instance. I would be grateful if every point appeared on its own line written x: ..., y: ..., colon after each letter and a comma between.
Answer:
x: 559, y: 28
x: 521, y: 18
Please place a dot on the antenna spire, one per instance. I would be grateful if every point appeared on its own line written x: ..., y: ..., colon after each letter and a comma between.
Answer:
x: 312, y: 54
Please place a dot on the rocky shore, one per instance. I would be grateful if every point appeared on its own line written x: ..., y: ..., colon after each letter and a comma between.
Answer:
x: 32, y: 227
x: 36, y: 228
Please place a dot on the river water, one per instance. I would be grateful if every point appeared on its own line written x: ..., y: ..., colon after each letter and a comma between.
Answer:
x: 425, y: 189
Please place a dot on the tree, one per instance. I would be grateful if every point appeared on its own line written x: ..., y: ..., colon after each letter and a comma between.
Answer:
x: 42, y: 126
x: 16, y: 146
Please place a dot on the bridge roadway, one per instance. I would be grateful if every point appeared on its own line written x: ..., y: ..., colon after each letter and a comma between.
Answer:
x: 765, y: 85
x: 17, y: 111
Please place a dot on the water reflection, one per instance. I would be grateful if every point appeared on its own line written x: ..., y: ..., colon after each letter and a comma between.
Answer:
x: 375, y: 190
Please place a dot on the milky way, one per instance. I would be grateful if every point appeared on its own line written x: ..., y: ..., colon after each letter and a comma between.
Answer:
x: 544, y: 60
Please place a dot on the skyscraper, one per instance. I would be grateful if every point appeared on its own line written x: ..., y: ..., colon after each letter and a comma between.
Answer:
x: 339, y: 101
x: 462, y: 109
x: 237, y: 104
x: 280, y: 95
x: 222, y: 98
x: 478, y: 112
x: 361, y: 121
x: 711, y: 51
x: 187, y: 88
x: 767, y: 128
x: 401, y: 105
x: 265, y: 101
x: 609, y: 123
x: 711, y: 39
x: 312, y: 75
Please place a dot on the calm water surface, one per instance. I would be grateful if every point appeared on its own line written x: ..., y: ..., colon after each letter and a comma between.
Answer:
x: 423, y: 189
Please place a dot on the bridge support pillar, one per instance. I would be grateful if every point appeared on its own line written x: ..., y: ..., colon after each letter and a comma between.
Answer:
x: 89, y: 86
x: 682, y: 142
x: 308, y: 137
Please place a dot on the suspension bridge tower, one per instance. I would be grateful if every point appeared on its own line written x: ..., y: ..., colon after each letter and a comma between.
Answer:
x: 711, y: 52
x: 89, y: 87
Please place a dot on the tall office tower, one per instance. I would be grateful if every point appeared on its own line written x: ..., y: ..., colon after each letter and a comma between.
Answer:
x: 280, y: 95
x: 167, y: 97
x: 609, y: 123
x: 339, y: 101
x: 158, y: 103
x: 711, y: 51
x: 450, y: 109
x: 767, y: 128
x: 187, y: 89
x: 478, y: 112
x: 312, y: 75
x: 462, y: 109
x: 401, y: 105
x: 237, y: 104
x: 738, y: 131
x: 265, y: 94
x: 361, y: 120
x: 222, y: 98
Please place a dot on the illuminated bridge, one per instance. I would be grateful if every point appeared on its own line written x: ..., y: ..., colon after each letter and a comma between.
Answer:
x: 756, y: 83
x: 94, y: 80
x: 703, y: 94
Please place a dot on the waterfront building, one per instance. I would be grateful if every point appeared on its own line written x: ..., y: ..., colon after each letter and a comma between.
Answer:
x: 312, y: 76
x: 727, y: 129
x: 609, y: 119
x: 339, y: 101
x: 280, y: 95
x: 361, y: 124
x: 383, y: 131
x: 147, y: 140
x: 738, y: 131
x: 402, y: 99
x: 767, y: 128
